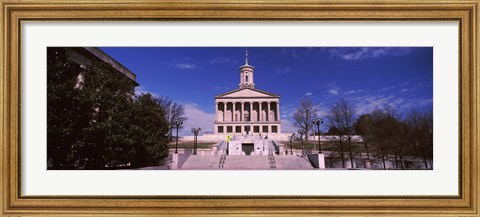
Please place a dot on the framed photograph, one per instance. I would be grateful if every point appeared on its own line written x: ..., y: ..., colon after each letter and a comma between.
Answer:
x: 255, y: 108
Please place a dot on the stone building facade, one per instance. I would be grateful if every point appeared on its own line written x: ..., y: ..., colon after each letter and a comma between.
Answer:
x: 247, y: 110
x: 86, y: 56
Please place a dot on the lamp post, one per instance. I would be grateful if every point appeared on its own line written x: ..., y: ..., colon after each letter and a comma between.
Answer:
x: 318, y: 122
x: 301, y: 132
x: 195, y: 132
x: 291, y: 143
x: 177, y: 122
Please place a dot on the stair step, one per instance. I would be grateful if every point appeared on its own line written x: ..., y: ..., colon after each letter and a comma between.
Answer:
x: 246, y: 162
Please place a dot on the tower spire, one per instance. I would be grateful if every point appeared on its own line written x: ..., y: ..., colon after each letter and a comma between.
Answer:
x: 246, y: 74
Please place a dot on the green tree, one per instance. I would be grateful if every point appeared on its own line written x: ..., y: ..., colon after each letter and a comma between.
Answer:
x: 363, y: 127
x: 65, y: 110
x: 105, y: 141
x: 95, y: 121
x: 149, y: 130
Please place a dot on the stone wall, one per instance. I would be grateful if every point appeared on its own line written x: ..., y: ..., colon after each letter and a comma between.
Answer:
x: 280, y: 137
x: 220, y: 137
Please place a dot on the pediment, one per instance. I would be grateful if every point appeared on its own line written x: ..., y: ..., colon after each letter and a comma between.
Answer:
x: 246, y: 93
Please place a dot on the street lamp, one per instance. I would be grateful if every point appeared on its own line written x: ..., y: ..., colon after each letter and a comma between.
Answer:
x: 291, y: 143
x: 301, y: 132
x: 318, y: 122
x: 195, y: 133
x: 177, y: 122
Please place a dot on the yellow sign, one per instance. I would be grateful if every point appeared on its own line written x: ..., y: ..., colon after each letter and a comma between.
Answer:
x: 229, y: 138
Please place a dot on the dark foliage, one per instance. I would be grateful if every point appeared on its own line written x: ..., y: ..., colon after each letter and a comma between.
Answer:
x: 96, y: 122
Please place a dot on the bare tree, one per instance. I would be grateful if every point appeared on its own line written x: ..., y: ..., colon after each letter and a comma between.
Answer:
x: 400, y: 139
x: 304, y: 115
x: 387, y: 134
x: 375, y: 134
x: 173, y: 111
x: 421, y: 125
x: 341, y: 117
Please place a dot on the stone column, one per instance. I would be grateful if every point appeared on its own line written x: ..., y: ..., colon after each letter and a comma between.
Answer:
x: 268, y: 111
x: 260, y: 110
x: 234, y: 110
x: 250, y: 111
x: 174, y: 164
x: 224, y: 112
x: 216, y: 111
x: 278, y: 111
x: 321, y: 161
x: 242, y: 109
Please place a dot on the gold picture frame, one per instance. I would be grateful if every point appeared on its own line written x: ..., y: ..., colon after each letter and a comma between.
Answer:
x: 15, y: 12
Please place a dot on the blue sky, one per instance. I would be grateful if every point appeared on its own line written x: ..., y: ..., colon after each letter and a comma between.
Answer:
x: 371, y: 77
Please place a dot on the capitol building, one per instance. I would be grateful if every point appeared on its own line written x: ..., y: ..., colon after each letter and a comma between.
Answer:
x: 247, y: 110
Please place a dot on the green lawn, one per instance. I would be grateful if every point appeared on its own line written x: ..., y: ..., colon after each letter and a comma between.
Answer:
x: 326, y: 146
x: 190, y: 145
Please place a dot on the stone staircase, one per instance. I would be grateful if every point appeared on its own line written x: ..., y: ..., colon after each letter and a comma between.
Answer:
x: 246, y: 162
x: 292, y: 162
x: 204, y: 162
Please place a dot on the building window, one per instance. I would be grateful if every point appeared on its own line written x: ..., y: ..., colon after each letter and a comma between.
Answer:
x: 246, y: 78
x: 274, y: 129
x: 238, y: 129
x: 220, y: 129
x: 256, y: 129
x: 229, y: 129
x: 265, y: 129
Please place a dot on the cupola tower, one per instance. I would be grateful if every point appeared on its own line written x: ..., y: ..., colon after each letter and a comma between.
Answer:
x: 246, y: 74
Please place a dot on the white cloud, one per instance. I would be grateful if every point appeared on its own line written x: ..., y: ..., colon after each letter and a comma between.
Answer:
x: 407, y: 89
x: 333, y: 91
x: 196, y: 118
x: 222, y: 60
x: 386, y: 88
x: 425, y: 84
x: 188, y: 66
x: 354, y: 91
x: 406, y: 105
x: 287, y: 126
x: 292, y: 52
x: 287, y: 110
x: 283, y: 71
x: 184, y: 63
x: 139, y: 90
x: 367, y: 52
x: 308, y: 94
x: 369, y: 103
x: 322, y: 110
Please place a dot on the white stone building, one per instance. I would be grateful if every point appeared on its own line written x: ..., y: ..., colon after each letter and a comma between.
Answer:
x: 247, y: 110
